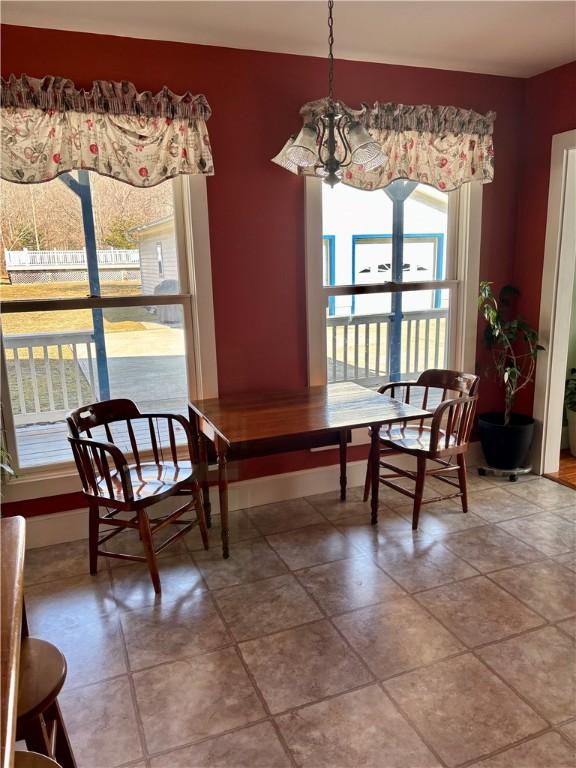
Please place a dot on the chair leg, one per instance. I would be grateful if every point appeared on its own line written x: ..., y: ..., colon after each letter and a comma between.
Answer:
x: 93, y: 531
x: 35, y: 733
x: 146, y: 536
x: 419, y: 492
x: 460, y: 458
x: 368, y: 481
x: 200, y: 514
x: 63, y: 752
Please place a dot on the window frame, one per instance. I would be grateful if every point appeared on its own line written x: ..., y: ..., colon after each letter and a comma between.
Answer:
x: 195, y: 297
x: 462, y: 278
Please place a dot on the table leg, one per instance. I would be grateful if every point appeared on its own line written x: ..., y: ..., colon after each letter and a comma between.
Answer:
x: 343, y: 479
x: 375, y: 470
x: 221, y: 449
x: 204, y: 484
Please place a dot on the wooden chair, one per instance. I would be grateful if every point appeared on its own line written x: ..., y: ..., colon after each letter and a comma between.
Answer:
x: 40, y: 724
x: 155, y: 473
x: 33, y: 760
x: 440, y: 438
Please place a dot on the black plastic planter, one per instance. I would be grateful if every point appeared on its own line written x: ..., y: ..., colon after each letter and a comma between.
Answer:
x: 505, y: 446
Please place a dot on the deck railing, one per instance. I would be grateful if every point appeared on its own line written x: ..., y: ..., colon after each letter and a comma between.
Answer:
x: 27, y: 260
x: 359, y: 347
x: 49, y: 374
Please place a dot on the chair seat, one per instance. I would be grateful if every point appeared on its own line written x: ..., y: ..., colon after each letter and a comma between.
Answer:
x: 413, y: 438
x: 150, y: 479
x: 42, y: 675
x: 33, y: 760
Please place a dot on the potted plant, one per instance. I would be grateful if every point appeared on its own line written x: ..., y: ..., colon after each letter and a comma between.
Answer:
x: 506, y: 436
x: 570, y: 403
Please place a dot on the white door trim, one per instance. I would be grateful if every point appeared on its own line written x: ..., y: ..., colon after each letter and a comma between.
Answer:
x: 555, y: 303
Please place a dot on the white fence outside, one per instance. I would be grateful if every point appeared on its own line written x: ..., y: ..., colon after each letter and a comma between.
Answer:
x: 49, y: 374
x: 112, y: 258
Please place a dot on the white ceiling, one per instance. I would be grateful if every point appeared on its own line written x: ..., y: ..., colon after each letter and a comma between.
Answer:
x: 498, y: 37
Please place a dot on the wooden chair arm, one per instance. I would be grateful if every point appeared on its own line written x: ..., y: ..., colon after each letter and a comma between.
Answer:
x: 438, y: 415
x: 82, y: 447
x: 393, y: 384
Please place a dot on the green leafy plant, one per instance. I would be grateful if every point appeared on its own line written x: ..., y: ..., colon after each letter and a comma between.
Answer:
x: 513, y: 343
x: 570, y: 392
x: 5, y: 462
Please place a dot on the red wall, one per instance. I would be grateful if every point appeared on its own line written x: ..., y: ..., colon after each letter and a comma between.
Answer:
x: 549, y: 108
x: 257, y: 209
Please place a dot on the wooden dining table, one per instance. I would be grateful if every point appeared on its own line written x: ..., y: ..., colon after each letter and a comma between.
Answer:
x: 12, y: 539
x: 250, y: 425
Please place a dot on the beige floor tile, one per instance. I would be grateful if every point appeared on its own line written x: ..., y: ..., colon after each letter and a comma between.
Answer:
x: 370, y: 538
x: 545, y: 493
x: 94, y: 650
x: 550, y: 533
x: 421, y: 563
x: 265, y: 606
x: 547, y: 587
x: 170, y: 631
x: 240, y: 528
x: 284, y: 516
x: 360, y: 728
x: 547, y: 751
x: 347, y: 584
x: 443, y: 517
x: 333, y: 509
x: 69, y: 602
x: 179, y: 579
x: 568, y: 626
x: 541, y: 666
x: 248, y: 561
x: 462, y: 709
x: 188, y: 700
x: 255, y: 747
x: 477, y: 611
x: 569, y: 731
x: 496, y: 504
x: 569, y: 513
x: 59, y: 561
x: 302, y: 665
x: 396, y: 636
x: 568, y: 561
x: 312, y: 545
x: 101, y: 724
x: 489, y: 548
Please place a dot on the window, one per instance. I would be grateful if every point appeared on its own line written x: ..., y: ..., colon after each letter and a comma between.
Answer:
x: 96, y: 304
x: 396, y: 292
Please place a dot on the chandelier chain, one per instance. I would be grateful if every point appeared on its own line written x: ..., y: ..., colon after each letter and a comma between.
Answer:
x: 330, y: 51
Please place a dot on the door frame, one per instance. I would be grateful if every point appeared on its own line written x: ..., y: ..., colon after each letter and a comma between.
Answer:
x: 555, y: 303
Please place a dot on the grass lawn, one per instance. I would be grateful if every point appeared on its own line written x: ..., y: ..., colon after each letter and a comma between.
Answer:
x: 115, y: 319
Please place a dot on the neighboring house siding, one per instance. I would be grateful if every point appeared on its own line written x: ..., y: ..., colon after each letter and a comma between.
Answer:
x: 149, y: 258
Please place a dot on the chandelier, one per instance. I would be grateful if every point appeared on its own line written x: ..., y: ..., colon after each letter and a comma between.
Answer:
x: 333, y: 137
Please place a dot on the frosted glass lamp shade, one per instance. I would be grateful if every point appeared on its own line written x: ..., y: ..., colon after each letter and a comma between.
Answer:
x: 304, y: 151
x: 364, y: 150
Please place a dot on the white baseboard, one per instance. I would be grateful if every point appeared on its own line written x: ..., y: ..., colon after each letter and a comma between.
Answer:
x: 60, y: 527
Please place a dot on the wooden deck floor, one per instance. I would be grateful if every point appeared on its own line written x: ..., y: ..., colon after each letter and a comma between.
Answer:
x: 566, y: 475
x: 43, y: 444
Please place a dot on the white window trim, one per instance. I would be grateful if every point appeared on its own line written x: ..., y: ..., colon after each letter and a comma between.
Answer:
x: 193, y: 241
x: 465, y: 216
x: 555, y: 304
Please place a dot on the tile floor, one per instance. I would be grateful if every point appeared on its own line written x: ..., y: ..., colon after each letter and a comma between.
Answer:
x: 327, y: 643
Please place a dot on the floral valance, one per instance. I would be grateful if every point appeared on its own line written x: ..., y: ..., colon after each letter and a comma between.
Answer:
x: 50, y: 127
x: 444, y: 147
